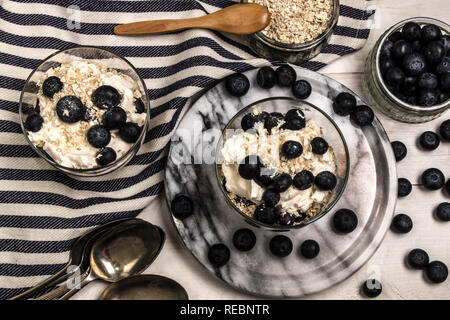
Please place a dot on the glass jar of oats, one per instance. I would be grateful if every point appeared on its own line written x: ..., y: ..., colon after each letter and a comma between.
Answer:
x: 298, y: 29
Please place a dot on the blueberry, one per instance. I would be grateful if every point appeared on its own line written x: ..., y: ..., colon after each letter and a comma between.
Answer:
x: 264, y: 178
x: 303, y: 180
x: 385, y: 64
x: 301, y: 89
x: 443, y: 97
x: 139, y: 104
x: 404, y: 187
x: 280, y: 246
x: 325, y: 180
x: 309, y: 249
x: 437, y: 272
x: 130, y: 132
x: 395, y: 77
x: 401, y: 49
x: 344, y: 103
x: 418, y: 259
x: 444, y: 130
x: 443, y: 211
x: 434, y: 52
x: 292, y: 149
x: 218, y: 255
x: 429, y: 140
x: 444, y: 82
x: 319, y: 145
x: 443, y: 66
x: 286, y: 75
x: 88, y: 115
x: 402, y: 223
x: 106, y: 97
x: 34, y: 122
x: 70, y: 109
x: 428, y: 97
x: 409, y: 82
x: 51, y: 86
x: 372, y: 288
x: 237, y: 84
x: 400, y: 150
x: 386, y: 48
x: 295, y: 119
x: 266, y: 77
x: 447, y: 186
x: 300, y: 217
x: 362, y: 116
x: 182, y: 207
x: 105, y: 156
x: 244, y: 239
x: 394, y: 37
x: 345, y: 220
x: 414, y: 64
x: 411, y: 31
x: 265, y: 214
x: 271, y: 198
x: 114, y: 118
x: 281, y: 182
x: 445, y: 41
x: 286, y: 219
x: 250, y: 167
x: 433, y: 179
x: 98, y: 136
x: 273, y: 120
x: 431, y: 32
x: 428, y: 81
x: 416, y: 46
x: 248, y: 121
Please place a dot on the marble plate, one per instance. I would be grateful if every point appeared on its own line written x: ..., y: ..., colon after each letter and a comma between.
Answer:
x: 371, y: 192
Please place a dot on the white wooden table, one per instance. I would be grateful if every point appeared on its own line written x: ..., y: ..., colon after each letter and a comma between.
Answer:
x: 387, y: 264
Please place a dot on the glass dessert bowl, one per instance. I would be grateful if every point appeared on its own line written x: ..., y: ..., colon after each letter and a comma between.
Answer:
x: 85, y: 111
x: 287, y: 169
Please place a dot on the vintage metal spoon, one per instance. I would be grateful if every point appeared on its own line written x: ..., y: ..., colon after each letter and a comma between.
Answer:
x: 145, y: 287
x: 245, y: 18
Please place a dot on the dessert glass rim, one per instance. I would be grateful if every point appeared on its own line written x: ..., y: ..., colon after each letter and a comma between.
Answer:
x: 304, y: 45
x: 278, y: 227
x: 78, y: 171
x: 421, y: 20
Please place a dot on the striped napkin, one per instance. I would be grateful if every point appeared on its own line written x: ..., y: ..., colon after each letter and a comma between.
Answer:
x: 42, y: 210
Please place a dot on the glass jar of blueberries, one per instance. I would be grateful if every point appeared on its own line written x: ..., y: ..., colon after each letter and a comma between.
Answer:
x: 408, y: 70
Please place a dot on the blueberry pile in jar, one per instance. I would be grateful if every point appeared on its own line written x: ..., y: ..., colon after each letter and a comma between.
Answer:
x: 415, y: 64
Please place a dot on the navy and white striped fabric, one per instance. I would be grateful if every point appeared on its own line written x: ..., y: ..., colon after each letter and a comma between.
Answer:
x: 43, y: 211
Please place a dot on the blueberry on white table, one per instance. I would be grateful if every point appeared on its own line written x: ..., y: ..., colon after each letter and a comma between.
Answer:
x: 237, y: 84
x: 281, y: 182
x: 265, y: 214
x: 51, y: 86
x: 250, y: 167
x: 266, y: 77
x: 325, y: 180
x: 271, y: 197
x: 429, y: 140
x: 280, y: 246
x: 34, y: 122
x: 433, y: 179
x: 295, y: 119
x: 309, y: 249
x: 286, y: 75
x: 69, y: 109
x: 98, y: 136
x: 418, y: 259
x: 444, y: 130
x: 301, y: 89
x: 292, y: 149
x: 130, y: 132
x: 244, y: 239
x: 402, y: 223
x: 362, y: 115
x: 303, y: 180
x: 437, y: 272
x: 344, y: 103
x: 105, y: 156
x: 404, y: 187
x: 219, y: 255
x: 114, y: 118
x: 399, y: 149
x: 345, y: 220
x: 182, y: 207
x: 106, y: 97
x: 319, y: 145
x: 372, y: 288
x: 443, y: 211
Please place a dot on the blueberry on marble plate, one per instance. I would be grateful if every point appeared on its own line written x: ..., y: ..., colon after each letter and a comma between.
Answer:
x: 69, y: 109
x: 345, y: 220
x: 286, y: 219
x: 431, y: 32
x: 319, y: 145
x: 106, y: 156
x: 301, y: 89
x: 444, y: 130
x: 182, y: 207
x: 418, y: 259
x: 130, y: 132
x: 98, y: 136
x: 429, y: 140
x: 414, y: 64
x: 265, y: 214
x: 51, y: 86
x: 325, y: 180
x: 281, y: 182
x: 309, y: 249
x: 303, y: 180
x: 244, y: 239
x: 295, y: 119
x: 404, y: 187
x: 436, y: 271
x: 105, y: 97
x: 400, y: 150
x: 250, y: 167
x: 344, y: 103
x: 292, y: 149
x: 411, y: 31
x: 401, y: 49
x: 271, y: 198
x: 433, y: 179
x: 266, y: 77
x: 402, y: 223
x: 114, y: 118
x: 34, y: 122
x: 443, y: 211
x: 139, y: 104
x: 273, y: 120
x: 286, y: 75
x: 218, y: 255
x: 237, y: 84
x: 372, y: 288
x: 280, y: 246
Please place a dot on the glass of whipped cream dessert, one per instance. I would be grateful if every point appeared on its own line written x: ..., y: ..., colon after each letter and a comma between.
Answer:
x: 85, y: 111
x: 282, y: 163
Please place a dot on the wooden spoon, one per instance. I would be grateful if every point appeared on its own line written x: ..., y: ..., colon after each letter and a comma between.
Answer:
x: 238, y: 19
